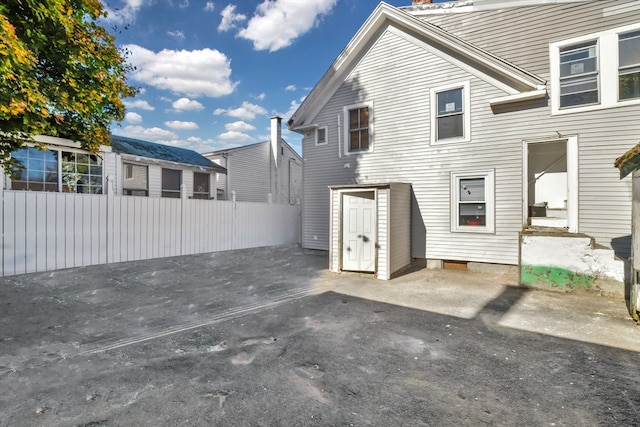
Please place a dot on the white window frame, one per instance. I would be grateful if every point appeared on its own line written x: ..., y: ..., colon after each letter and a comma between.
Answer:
x: 624, y: 70
x: 466, y: 112
x: 345, y: 116
x: 324, y: 129
x: 607, y: 70
x: 489, y: 200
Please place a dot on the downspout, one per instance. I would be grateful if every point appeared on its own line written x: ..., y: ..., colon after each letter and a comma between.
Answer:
x: 339, y: 138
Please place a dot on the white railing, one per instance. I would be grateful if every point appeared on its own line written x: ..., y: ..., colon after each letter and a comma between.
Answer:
x: 50, y: 231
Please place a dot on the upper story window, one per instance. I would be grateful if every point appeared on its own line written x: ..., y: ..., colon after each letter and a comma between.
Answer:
x: 358, y: 128
x: 321, y: 136
x: 171, y: 181
x: 629, y: 65
x: 596, y: 71
x: 135, y: 181
x: 54, y: 170
x: 579, y: 74
x: 450, y: 117
x: 201, y: 185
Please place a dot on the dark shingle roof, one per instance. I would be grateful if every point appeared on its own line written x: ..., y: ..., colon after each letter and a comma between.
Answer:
x: 136, y: 147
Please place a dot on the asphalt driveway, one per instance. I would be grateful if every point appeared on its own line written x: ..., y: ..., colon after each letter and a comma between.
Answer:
x: 268, y: 337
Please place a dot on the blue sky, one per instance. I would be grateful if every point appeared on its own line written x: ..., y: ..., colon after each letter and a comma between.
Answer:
x: 213, y: 73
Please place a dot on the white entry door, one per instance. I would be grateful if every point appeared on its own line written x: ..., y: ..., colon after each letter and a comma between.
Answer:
x: 359, y: 231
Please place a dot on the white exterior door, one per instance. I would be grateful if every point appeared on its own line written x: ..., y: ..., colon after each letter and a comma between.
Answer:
x: 359, y: 231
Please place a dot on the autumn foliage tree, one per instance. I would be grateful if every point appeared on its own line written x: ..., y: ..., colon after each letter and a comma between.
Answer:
x: 61, y: 73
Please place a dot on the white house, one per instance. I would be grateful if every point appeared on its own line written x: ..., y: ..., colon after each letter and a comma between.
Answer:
x: 500, y: 115
x: 131, y: 166
x: 261, y: 172
x: 146, y: 168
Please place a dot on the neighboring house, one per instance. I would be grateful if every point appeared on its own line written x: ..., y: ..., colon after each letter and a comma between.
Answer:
x: 266, y: 171
x: 150, y: 169
x: 499, y: 115
x: 134, y: 167
x: 63, y: 167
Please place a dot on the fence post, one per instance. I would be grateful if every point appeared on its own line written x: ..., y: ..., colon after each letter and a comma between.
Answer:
x: 111, y: 190
x: 183, y: 220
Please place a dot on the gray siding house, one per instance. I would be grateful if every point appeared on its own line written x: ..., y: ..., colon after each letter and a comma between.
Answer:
x: 502, y: 116
x: 261, y: 172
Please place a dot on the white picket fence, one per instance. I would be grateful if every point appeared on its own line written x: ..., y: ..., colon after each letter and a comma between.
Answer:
x: 50, y: 231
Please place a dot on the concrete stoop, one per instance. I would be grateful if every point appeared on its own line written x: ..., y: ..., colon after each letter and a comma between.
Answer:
x: 569, y: 260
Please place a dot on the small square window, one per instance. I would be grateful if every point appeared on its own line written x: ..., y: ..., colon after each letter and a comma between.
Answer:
x: 321, y: 136
x: 135, y: 182
x: 472, y: 205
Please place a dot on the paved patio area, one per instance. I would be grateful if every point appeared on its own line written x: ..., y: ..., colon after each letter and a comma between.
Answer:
x: 269, y: 337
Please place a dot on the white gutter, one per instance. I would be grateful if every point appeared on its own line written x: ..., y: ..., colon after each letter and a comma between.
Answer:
x: 518, y: 97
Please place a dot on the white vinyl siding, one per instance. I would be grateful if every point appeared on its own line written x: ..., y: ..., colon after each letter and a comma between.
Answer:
x: 248, y: 173
x: 403, y: 153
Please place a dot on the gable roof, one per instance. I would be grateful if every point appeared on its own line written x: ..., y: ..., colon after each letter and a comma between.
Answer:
x: 629, y: 161
x: 250, y: 146
x: 152, y: 150
x: 518, y: 83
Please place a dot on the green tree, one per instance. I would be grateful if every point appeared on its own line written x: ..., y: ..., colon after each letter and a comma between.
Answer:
x: 61, y: 74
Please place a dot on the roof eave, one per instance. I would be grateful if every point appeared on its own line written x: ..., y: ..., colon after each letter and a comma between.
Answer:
x: 521, y: 80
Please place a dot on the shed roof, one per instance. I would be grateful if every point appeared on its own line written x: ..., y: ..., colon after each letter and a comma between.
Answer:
x: 629, y: 161
x: 152, y: 150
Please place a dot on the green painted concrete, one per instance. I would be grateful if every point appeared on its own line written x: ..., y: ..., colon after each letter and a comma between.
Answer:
x: 554, y: 276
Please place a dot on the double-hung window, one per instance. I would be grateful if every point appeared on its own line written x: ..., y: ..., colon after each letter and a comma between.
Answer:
x: 596, y: 71
x: 472, y: 201
x: 450, y: 118
x: 358, y: 124
x: 171, y: 181
x: 629, y: 65
x: 201, y: 185
x: 579, y: 74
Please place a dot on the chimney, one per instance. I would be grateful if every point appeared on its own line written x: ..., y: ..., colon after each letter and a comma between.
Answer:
x: 276, y: 135
x: 421, y: 2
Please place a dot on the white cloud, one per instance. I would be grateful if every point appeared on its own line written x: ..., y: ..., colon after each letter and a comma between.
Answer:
x: 239, y: 126
x: 276, y: 24
x: 133, y: 118
x: 125, y: 14
x: 178, y: 35
x: 148, y: 134
x: 230, y: 18
x: 193, y: 73
x: 261, y: 97
x: 247, y: 111
x: 176, y: 124
x: 184, y: 4
x: 293, y: 106
x: 186, y: 104
x: 235, y: 136
x: 290, y: 88
x: 209, y: 6
x: 140, y: 104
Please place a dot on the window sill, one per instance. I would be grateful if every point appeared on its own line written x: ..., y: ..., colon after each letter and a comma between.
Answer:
x: 594, y: 107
